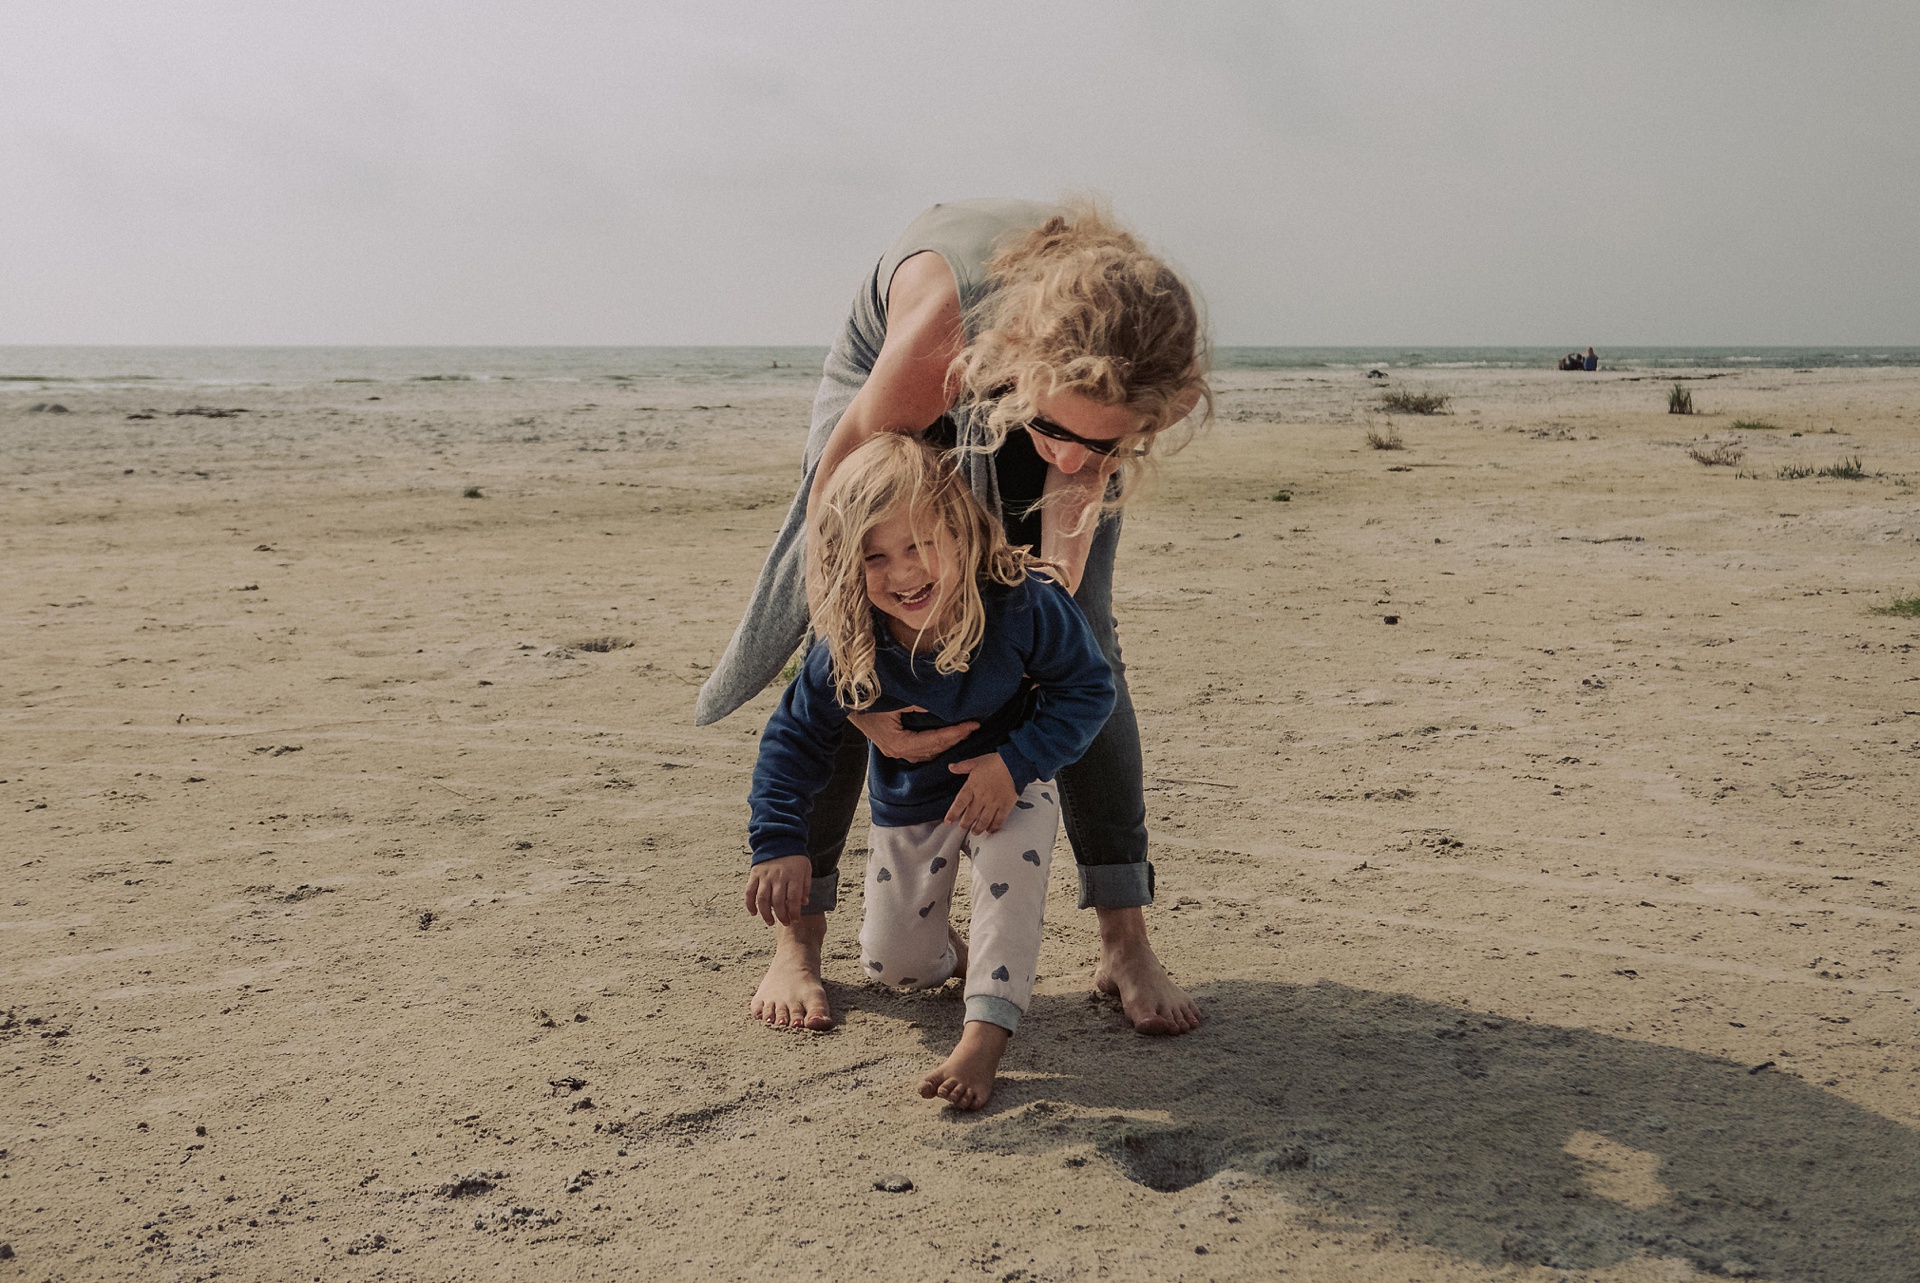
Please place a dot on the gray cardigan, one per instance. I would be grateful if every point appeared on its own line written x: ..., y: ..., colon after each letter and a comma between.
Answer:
x: 965, y: 234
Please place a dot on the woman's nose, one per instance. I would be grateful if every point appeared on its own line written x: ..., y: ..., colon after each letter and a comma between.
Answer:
x: 1069, y: 458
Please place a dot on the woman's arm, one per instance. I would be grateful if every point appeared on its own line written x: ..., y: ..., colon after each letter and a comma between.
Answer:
x: 909, y: 387
x: 1065, y: 537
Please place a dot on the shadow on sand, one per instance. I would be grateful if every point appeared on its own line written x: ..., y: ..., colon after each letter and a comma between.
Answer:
x: 1500, y: 1141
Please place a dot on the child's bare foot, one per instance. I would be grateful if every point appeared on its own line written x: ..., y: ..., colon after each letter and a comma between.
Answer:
x: 965, y: 1079
x: 792, y: 995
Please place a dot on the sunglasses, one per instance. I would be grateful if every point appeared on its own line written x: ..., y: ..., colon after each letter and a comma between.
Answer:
x: 1054, y: 432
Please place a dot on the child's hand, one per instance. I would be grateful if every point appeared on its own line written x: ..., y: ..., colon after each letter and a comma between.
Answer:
x: 779, y: 888
x: 986, y: 798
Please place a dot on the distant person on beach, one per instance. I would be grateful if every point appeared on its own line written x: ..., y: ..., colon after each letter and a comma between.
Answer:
x: 1053, y: 351
x: 919, y: 603
x: 1592, y: 361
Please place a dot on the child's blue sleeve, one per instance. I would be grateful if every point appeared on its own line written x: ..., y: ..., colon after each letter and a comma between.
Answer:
x: 1076, y: 688
x: 796, y: 760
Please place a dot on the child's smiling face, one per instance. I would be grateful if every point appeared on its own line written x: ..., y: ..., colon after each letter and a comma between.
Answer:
x: 907, y: 572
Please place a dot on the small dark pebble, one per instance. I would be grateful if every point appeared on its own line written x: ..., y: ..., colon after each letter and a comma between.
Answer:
x: 426, y: 919
x: 1199, y: 1250
x: 6, y: 1251
x: 1391, y: 619
x: 200, y: 1131
x: 893, y: 1185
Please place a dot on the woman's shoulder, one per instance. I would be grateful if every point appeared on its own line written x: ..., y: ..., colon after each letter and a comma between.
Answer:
x: 966, y: 233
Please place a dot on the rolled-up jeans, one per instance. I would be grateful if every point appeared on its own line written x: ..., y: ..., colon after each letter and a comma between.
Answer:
x: 1103, y: 795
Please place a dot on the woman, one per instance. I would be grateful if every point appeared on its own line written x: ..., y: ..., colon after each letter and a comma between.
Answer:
x: 1053, y: 350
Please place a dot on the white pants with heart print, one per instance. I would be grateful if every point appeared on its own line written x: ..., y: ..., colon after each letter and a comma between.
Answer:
x: 910, y: 876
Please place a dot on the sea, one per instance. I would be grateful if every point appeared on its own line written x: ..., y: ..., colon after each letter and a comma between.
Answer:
x: 664, y: 368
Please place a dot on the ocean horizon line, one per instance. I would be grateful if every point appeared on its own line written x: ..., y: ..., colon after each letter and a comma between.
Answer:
x: 23, y: 367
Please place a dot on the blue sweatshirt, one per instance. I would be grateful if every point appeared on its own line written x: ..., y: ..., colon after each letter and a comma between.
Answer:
x: 1037, y: 666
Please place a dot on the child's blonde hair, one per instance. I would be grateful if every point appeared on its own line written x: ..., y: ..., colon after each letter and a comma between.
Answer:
x: 1078, y: 305
x: 894, y: 474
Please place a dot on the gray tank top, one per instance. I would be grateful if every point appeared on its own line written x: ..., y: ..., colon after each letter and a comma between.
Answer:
x: 965, y: 233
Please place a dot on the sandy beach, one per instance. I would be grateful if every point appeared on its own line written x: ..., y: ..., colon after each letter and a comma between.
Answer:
x: 1534, y: 811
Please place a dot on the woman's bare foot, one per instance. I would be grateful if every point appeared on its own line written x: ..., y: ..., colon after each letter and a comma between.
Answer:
x: 1128, y: 967
x: 792, y: 995
x: 965, y: 1079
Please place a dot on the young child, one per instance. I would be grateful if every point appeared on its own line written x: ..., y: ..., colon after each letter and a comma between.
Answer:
x: 918, y: 601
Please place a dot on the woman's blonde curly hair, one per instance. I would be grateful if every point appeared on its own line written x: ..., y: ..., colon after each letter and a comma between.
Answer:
x: 889, y: 475
x: 1078, y: 305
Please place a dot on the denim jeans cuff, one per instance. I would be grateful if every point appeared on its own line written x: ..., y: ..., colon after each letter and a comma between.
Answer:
x: 994, y: 1010
x: 1116, y: 886
x: 823, y: 896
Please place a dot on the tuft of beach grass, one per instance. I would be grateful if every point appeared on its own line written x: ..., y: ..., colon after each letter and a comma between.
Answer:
x: 1907, y: 606
x: 1718, y: 454
x: 1848, y: 469
x: 1679, y: 401
x: 1754, y: 425
x: 1405, y: 401
x: 1389, y: 439
x: 792, y: 669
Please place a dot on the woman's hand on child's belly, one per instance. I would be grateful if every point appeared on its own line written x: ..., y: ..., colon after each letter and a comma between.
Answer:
x: 887, y: 735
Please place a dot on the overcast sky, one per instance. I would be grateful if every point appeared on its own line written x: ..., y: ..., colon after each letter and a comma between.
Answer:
x: 1450, y: 172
